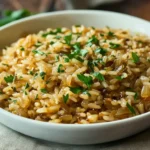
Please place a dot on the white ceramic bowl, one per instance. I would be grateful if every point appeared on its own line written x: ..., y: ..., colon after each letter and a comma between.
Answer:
x: 74, y: 133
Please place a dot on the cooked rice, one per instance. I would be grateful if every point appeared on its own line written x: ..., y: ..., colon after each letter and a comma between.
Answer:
x: 84, y: 75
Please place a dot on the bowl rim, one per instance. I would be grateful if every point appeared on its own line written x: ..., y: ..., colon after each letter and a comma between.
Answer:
x: 50, y: 124
x: 70, y: 12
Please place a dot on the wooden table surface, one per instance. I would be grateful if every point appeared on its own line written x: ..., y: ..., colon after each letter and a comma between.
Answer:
x: 139, y: 8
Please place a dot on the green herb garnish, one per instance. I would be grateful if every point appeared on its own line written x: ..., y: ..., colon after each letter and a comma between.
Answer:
x: 38, y: 44
x: 57, y: 37
x: 52, y: 42
x: 60, y: 70
x: 101, y: 51
x: 77, y: 25
x: 83, y: 52
x: 58, y: 30
x: 31, y: 72
x: 35, y: 75
x: 131, y: 108
x: 36, y: 97
x: 119, y: 78
x: 66, y: 59
x: 135, y: 57
x: 57, y: 58
x: 26, y: 86
x: 25, y: 93
x: 43, y: 90
x: 114, y: 45
x: 14, y: 89
x: 22, y: 48
x: 87, y: 80
x: 48, y: 81
x: 68, y: 39
x: 42, y: 74
x: 65, y: 98
x: 9, y: 79
x: 93, y: 40
x: 14, y: 101
x: 86, y: 92
x: 136, y: 96
x: 77, y: 52
x: 76, y: 90
x: 111, y: 34
x: 79, y: 59
x: 101, y: 34
x: 99, y: 76
x: 5, y: 64
x: 38, y: 52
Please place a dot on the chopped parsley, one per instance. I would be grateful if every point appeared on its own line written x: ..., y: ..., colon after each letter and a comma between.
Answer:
x: 86, y: 92
x: 99, y: 76
x: 38, y: 52
x: 83, y: 52
x: 9, y: 79
x: 25, y: 93
x: 77, y: 52
x: 1, y: 92
x: 43, y: 90
x: 36, y: 97
x: 48, y: 81
x: 79, y: 59
x: 51, y: 42
x: 92, y: 63
x: 93, y: 40
x: 66, y: 59
x: 22, y: 48
x: 93, y: 27
x: 136, y: 96
x: 58, y: 30
x: 135, y: 57
x: 31, y: 72
x: 57, y: 37
x: 119, y: 78
x: 42, y: 74
x: 14, y: 89
x: 60, y: 70
x: 38, y: 44
x: 87, y: 80
x: 14, y: 101
x: 20, y: 77
x: 65, y: 98
x: 101, y: 51
x: 77, y: 46
x: 114, y: 45
x: 5, y: 64
x: 57, y: 58
x: 76, y: 90
x: 26, y: 86
x: 36, y: 74
x: 68, y: 39
x: 111, y: 34
x: 101, y: 34
x: 77, y: 25
x: 131, y: 108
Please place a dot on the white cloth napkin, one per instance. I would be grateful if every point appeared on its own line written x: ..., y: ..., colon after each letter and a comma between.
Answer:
x: 11, y: 140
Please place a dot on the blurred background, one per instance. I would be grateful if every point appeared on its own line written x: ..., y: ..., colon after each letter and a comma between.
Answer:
x: 139, y: 8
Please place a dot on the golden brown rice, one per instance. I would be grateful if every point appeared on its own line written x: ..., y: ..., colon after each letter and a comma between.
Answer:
x: 83, y: 75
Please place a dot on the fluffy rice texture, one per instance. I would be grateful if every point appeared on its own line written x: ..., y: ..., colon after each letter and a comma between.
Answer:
x: 83, y: 75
